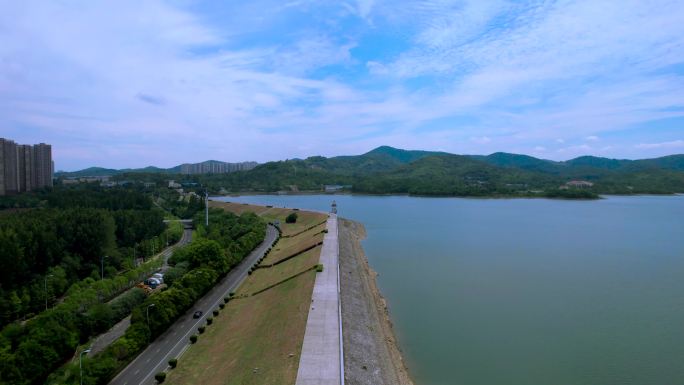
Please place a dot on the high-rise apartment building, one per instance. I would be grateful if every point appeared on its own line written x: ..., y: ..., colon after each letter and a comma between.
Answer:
x: 24, y: 167
x: 215, y: 167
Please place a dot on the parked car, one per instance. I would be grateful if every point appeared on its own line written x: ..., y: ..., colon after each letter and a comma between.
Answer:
x: 197, y: 314
x: 153, y: 282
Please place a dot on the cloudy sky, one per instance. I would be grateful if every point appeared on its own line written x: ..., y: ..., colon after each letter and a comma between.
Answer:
x: 131, y: 83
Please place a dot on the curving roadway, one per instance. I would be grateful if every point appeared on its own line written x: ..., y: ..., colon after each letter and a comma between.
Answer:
x: 175, y: 340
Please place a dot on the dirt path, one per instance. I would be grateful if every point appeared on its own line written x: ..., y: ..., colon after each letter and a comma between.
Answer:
x: 371, y: 354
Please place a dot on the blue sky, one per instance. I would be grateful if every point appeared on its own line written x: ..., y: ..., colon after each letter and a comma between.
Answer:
x: 136, y: 83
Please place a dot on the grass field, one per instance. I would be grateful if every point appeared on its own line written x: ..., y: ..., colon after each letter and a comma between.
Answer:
x: 289, y: 246
x: 305, y: 219
x: 258, y: 340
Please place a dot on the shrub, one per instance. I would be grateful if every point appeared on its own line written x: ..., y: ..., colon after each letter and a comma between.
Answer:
x: 201, y: 329
x: 173, y: 363
x: 319, y: 268
x: 231, y: 294
x: 292, y: 218
x: 226, y: 299
x: 216, y: 312
x: 222, y: 305
x: 160, y: 377
x: 210, y: 320
x: 193, y: 338
x: 249, y: 272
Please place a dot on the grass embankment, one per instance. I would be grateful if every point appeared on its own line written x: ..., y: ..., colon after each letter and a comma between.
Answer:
x: 258, y: 339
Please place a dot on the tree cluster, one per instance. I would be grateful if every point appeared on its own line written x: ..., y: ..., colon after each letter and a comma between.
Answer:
x: 227, y: 240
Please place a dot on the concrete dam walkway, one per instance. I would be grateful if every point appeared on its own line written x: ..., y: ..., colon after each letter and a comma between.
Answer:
x: 321, y: 360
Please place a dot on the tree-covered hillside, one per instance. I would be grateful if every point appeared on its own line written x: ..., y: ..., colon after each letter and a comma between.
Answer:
x: 387, y: 170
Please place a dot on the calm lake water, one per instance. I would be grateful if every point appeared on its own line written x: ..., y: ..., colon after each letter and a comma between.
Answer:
x: 527, y: 292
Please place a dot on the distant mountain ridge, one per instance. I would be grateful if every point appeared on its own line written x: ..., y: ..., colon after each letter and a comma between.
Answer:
x: 209, y: 166
x: 389, y: 170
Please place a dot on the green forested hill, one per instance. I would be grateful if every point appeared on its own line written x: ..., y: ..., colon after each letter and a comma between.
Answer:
x: 388, y: 170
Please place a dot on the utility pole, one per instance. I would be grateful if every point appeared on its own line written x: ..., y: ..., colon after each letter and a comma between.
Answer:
x: 147, y: 313
x: 80, y: 364
x: 102, y: 263
x: 46, y: 293
x: 206, y: 208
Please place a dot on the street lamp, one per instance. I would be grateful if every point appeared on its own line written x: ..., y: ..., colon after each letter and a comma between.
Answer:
x: 102, y: 263
x: 80, y: 364
x: 147, y: 312
x: 46, y: 293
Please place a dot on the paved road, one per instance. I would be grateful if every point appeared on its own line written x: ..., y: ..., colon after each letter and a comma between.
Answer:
x: 176, y: 339
x: 185, y: 239
x: 119, y: 329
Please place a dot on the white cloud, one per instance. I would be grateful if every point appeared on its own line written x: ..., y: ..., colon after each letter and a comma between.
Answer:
x: 364, y: 7
x: 661, y: 145
x: 480, y: 139
x: 155, y: 78
x: 376, y: 68
x: 569, y: 56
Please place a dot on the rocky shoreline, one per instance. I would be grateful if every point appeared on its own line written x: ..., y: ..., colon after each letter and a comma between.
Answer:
x: 371, y: 353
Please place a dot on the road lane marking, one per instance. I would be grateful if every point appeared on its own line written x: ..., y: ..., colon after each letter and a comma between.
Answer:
x: 184, y: 338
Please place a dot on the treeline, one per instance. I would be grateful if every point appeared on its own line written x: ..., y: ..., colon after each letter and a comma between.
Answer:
x: 44, y: 251
x: 196, y: 269
x: 386, y: 170
x: 65, y: 235
x: 32, y: 350
x: 185, y: 208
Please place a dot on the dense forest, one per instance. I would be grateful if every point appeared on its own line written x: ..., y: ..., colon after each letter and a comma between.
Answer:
x: 387, y: 170
x: 71, y: 235
x: 196, y: 268
x: 72, y: 251
x: 72, y: 256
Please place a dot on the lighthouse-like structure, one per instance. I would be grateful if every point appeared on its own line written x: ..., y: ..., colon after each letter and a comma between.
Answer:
x: 334, y: 208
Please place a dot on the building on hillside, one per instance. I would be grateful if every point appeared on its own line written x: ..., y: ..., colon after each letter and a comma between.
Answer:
x: 215, y: 167
x: 579, y: 184
x: 333, y: 188
x: 24, y: 167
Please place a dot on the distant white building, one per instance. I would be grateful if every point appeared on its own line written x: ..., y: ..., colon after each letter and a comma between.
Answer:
x: 579, y: 184
x: 331, y: 188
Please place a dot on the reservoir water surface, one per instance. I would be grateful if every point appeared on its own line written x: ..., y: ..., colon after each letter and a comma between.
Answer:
x: 526, y: 291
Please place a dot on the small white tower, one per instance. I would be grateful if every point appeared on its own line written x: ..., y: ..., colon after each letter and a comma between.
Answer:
x: 334, y: 208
